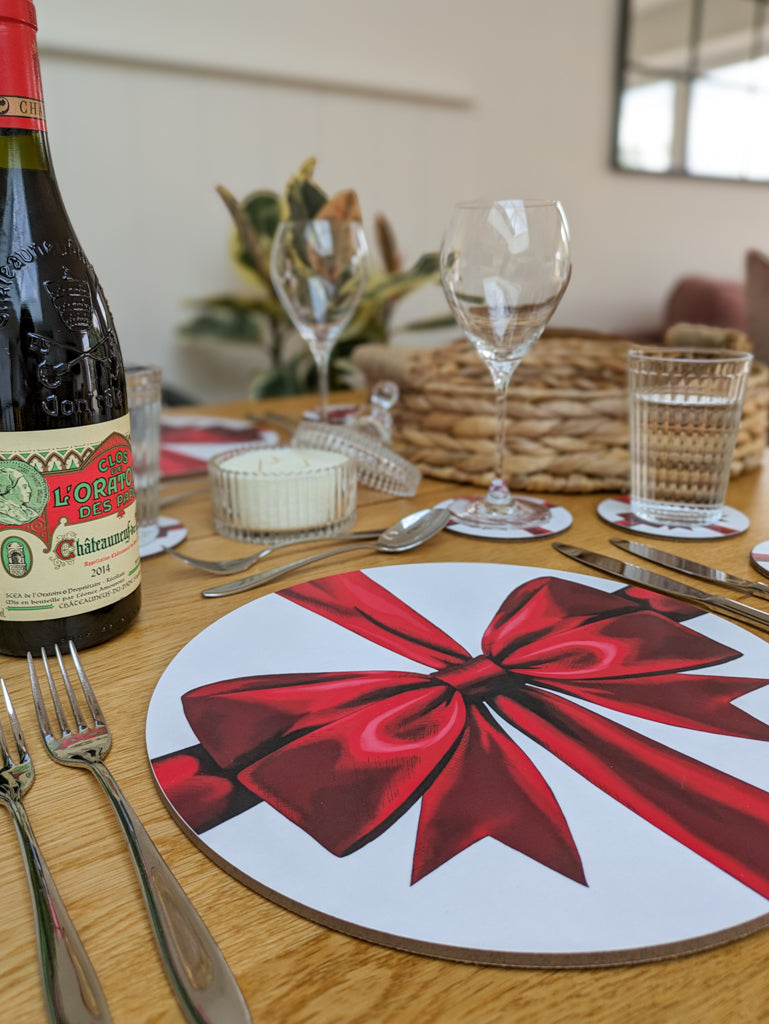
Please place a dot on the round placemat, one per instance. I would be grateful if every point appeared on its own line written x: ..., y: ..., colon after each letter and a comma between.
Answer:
x: 617, y: 512
x: 759, y: 557
x: 483, y: 762
x: 188, y: 442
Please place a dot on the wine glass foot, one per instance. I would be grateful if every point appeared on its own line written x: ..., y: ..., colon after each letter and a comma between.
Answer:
x: 538, y: 518
x: 519, y: 513
x: 516, y: 514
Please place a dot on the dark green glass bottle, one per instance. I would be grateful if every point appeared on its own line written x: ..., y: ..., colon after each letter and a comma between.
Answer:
x: 69, y: 552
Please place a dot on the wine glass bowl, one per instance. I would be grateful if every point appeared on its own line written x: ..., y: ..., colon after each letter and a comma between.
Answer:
x: 505, y: 265
x: 319, y: 269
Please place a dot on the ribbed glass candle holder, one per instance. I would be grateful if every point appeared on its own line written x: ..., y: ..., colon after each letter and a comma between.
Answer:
x: 378, y: 466
x: 267, y: 494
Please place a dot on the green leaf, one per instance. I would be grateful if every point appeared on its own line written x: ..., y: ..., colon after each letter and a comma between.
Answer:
x: 224, y: 300
x: 260, y: 213
x: 368, y: 324
x: 232, y: 323
x: 430, y: 323
x: 342, y: 372
x: 263, y: 210
x: 291, y: 378
x: 386, y: 288
x: 312, y: 199
x: 221, y: 305
x: 303, y: 197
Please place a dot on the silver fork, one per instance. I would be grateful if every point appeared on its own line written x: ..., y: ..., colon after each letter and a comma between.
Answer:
x: 71, y: 990
x: 202, y: 982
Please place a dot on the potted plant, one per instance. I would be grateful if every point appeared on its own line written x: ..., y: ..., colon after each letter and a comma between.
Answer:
x: 257, y: 316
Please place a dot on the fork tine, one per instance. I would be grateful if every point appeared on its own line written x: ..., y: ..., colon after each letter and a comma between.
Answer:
x: 37, y: 699
x: 90, y: 696
x: 80, y: 721
x: 18, y: 735
x: 61, y: 718
x: 3, y: 744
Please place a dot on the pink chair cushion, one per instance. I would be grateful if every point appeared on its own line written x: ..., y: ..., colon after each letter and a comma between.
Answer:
x: 757, y: 296
x: 703, y: 300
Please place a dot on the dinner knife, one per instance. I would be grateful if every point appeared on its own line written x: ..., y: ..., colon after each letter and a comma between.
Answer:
x: 653, y: 581
x: 685, y: 565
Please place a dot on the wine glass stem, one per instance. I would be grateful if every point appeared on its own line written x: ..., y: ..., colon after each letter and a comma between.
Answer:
x: 498, y: 494
x: 322, y: 361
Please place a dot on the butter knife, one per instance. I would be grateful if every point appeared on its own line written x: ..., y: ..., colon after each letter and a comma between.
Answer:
x: 653, y: 581
x: 685, y: 565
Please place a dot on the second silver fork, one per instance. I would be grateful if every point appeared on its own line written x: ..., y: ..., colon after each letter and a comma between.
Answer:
x: 71, y: 989
x: 204, y: 986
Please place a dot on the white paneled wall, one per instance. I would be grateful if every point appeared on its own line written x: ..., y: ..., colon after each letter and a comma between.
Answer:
x: 415, y: 104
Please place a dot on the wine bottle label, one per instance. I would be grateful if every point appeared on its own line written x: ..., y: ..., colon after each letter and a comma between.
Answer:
x: 21, y: 93
x: 68, y: 539
x: 22, y: 109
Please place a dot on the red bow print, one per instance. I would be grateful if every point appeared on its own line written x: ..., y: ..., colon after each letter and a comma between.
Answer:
x: 343, y: 755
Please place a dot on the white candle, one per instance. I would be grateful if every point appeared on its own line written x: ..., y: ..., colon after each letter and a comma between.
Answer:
x: 282, y: 490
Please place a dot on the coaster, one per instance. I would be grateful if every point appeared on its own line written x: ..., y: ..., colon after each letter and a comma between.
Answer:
x: 555, y: 519
x: 172, y: 532
x: 617, y: 512
x: 759, y: 557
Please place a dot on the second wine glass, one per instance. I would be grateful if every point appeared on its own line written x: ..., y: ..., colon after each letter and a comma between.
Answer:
x: 319, y: 269
x: 505, y: 265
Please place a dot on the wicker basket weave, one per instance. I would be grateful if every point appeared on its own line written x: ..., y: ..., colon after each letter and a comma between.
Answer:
x: 567, y: 413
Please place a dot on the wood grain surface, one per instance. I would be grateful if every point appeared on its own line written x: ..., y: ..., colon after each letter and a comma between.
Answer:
x: 290, y: 969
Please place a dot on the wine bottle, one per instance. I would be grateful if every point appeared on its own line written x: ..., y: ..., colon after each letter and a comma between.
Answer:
x: 69, y: 551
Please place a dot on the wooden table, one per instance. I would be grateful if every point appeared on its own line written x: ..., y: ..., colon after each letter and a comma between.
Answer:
x: 292, y: 970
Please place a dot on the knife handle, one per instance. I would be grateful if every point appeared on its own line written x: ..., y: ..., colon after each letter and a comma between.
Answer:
x: 737, y: 610
x: 758, y: 590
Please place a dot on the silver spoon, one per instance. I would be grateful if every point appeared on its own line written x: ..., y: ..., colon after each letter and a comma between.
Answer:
x: 407, y: 533
x: 228, y: 566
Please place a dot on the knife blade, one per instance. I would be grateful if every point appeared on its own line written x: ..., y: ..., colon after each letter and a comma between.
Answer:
x: 665, y: 585
x: 696, y: 569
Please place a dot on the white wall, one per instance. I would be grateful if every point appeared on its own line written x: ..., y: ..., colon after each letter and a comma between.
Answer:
x: 415, y: 103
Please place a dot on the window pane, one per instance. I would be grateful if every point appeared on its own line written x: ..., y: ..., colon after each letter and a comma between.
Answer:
x: 645, y: 130
x: 727, y: 32
x: 659, y: 35
x: 725, y: 139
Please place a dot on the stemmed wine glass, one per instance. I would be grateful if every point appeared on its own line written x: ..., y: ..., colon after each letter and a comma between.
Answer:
x: 505, y: 265
x: 319, y: 269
